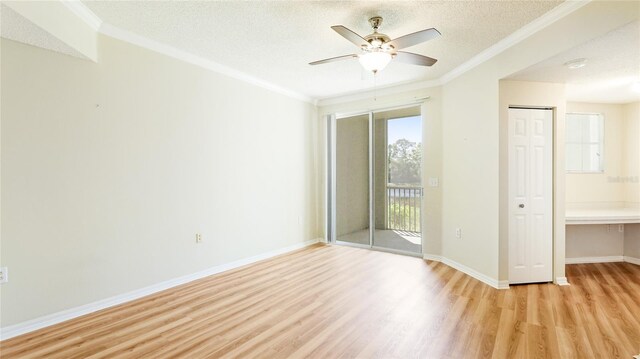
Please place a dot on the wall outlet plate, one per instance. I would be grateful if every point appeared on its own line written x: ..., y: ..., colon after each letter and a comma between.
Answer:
x: 198, y: 238
x: 458, y: 232
x: 4, y: 274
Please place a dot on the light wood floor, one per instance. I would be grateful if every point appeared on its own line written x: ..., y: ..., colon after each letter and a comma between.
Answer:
x: 335, y: 302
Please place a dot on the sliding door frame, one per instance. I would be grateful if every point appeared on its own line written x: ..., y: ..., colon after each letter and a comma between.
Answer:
x: 332, y: 121
x: 332, y: 126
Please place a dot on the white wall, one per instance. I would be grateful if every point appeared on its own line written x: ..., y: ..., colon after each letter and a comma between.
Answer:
x: 632, y: 170
x: 594, y: 240
x: 632, y: 241
x: 470, y: 171
x: 631, y: 154
x: 109, y: 169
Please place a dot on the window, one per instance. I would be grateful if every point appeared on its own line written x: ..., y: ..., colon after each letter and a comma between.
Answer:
x: 584, y: 142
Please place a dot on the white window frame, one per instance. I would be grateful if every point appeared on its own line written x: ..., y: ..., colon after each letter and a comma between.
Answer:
x: 583, y: 143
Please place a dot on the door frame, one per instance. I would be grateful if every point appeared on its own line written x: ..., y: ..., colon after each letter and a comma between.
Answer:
x: 331, y: 178
x: 552, y: 140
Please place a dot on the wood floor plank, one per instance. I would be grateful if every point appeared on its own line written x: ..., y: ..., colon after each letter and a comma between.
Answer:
x: 341, y: 302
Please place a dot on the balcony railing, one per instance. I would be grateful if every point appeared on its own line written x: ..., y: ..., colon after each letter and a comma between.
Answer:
x: 404, y: 208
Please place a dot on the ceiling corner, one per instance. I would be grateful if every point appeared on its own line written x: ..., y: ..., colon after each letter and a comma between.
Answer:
x: 84, y: 13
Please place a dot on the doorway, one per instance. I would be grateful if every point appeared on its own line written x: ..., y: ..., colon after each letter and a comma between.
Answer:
x: 530, y: 195
x: 375, y: 180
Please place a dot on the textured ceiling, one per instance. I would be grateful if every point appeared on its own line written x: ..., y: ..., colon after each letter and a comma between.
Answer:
x: 14, y: 26
x: 613, y: 64
x: 275, y: 40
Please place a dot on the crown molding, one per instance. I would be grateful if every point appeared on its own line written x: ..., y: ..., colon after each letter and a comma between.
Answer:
x: 560, y: 11
x: 91, y: 19
x: 516, y: 37
x: 127, y: 36
x: 84, y: 13
x: 382, y: 91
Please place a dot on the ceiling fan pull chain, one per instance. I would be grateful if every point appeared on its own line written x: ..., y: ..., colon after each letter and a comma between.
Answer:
x: 375, y: 86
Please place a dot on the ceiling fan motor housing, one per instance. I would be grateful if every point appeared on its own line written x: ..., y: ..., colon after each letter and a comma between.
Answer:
x: 376, y: 39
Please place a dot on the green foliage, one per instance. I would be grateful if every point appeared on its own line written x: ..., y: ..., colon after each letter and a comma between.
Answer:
x: 404, y: 163
x: 402, y: 214
x: 404, y: 160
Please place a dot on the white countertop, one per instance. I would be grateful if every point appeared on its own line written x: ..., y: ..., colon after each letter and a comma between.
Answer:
x: 619, y: 215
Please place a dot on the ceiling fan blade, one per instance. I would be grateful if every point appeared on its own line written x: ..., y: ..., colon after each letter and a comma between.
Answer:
x: 414, y: 59
x: 414, y: 38
x: 333, y: 59
x: 350, y: 35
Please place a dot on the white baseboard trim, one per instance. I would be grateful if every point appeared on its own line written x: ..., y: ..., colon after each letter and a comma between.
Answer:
x: 562, y: 281
x: 432, y: 257
x: 55, y: 318
x: 502, y: 284
x: 584, y: 260
x: 633, y: 260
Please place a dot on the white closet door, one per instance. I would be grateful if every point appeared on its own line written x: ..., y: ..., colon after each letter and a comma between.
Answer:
x: 530, y: 195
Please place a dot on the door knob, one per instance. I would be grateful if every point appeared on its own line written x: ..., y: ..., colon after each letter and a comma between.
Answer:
x: 521, y: 205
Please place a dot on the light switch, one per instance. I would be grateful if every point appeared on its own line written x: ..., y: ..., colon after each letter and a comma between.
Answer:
x: 433, y: 182
x: 4, y: 275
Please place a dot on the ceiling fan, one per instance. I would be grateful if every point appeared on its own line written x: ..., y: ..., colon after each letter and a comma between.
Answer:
x: 377, y: 49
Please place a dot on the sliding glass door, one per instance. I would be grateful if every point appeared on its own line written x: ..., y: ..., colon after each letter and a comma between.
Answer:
x: 352, y: 180
x: 397, y: 178
x: 376, y: 180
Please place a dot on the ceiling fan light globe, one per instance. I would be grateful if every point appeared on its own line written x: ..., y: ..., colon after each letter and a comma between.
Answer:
x: 374, y: 61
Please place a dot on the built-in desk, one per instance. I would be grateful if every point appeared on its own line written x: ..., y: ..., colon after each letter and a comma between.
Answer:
x: 619, y: 215
x: 602, y: 233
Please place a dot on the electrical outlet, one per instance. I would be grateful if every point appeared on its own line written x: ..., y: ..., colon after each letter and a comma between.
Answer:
x: 4, y: 275
x: 434, y: 182
x: 458, y: 233
x: 198, y: 238
x: 621, y: 228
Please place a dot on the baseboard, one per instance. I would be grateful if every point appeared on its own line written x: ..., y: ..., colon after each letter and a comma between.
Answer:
x: 432, y: 257
x: 562, y: 281
x: 583, y: 260
x: 502, y: 284
x: 55, y: 318
x: 633, y: 260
